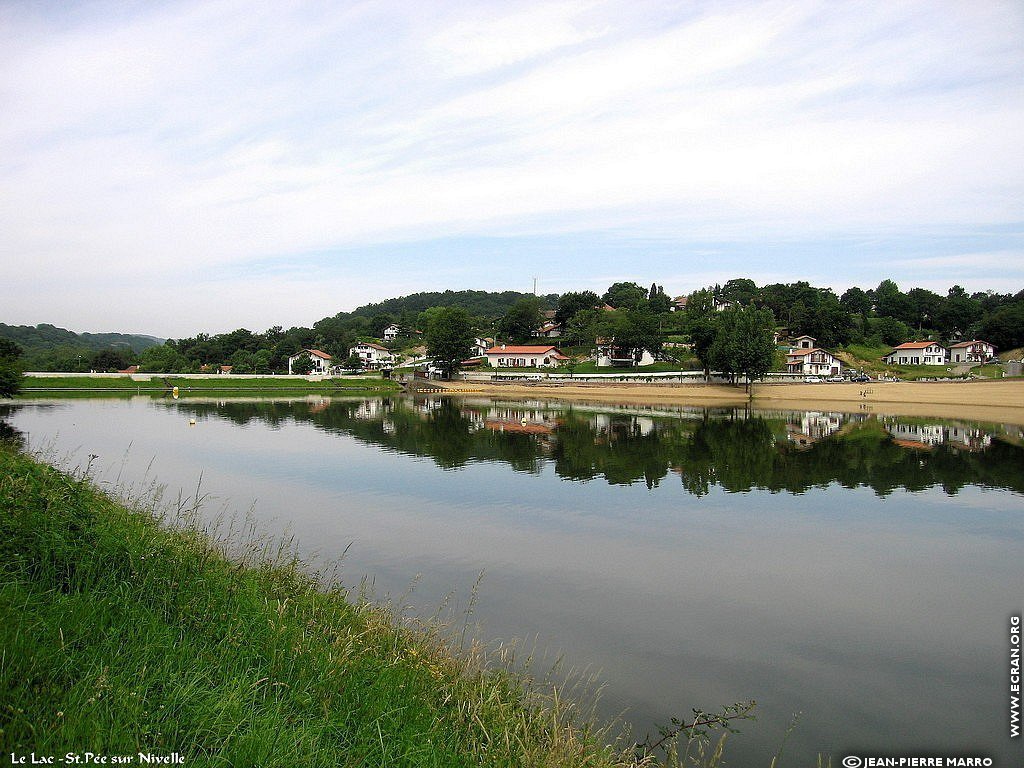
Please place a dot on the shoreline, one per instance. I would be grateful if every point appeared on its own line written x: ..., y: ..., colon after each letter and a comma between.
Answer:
x: 139, y: 633
x: 999, y: 400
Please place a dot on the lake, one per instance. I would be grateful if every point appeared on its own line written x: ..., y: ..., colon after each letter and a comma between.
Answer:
x: 857, y: 569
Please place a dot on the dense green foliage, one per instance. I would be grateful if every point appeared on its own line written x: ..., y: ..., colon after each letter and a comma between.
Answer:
x: 449, y: 337
x: 742, y: 344
x: 10, y: 368
x: 485, y: 304
x: 521, y: 320
x: 884, y: 315
x: 120, y: 636
x: 48, y: 348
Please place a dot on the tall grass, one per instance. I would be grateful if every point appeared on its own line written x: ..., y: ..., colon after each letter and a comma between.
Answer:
x: 121, y: 635
x: 123, y: 631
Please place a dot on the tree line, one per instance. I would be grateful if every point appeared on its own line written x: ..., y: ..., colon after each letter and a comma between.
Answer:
x: 635, y: 316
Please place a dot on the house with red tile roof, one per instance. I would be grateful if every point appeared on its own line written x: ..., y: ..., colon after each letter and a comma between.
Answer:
x: 971, y: 352
x: 813, y: 361
x: 321, y: 361
x: 918, y: 353
x: 524, y: 356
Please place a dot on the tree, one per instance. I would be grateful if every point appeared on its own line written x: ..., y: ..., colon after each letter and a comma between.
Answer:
x: 302, y: 366
x: 522, y: 319
x: 635, y: 331
x: 112, y: 359
x: 1004, y: 328
x: 10, y: 368
x: 582, y: 329
x: 743, y: 343
x: 625, y: 296
x: 449, y: 339
x: 740, y: 290
x: 658, y: 301
x: 889, y: 300
x: 958, y: 313
x: 856, y: 302
x: 572, y: 303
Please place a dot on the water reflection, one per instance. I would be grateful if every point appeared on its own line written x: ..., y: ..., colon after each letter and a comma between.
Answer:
x: 734, y: 449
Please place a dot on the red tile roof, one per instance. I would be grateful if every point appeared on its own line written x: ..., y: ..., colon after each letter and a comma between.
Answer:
x: 916, y: 345
x: 968, y: 343
x: 521, y: 350
x: 318, y: 353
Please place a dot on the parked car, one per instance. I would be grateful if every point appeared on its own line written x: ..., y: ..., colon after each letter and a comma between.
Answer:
x: 860, y: 378
x: 836, y: 379
x: 812, y: 380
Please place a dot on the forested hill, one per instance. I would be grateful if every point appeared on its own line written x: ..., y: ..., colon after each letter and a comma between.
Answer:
x: 44, y: 341
x: 477, y: 303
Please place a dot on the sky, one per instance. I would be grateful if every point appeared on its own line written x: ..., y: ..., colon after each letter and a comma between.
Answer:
x: 173, y: 167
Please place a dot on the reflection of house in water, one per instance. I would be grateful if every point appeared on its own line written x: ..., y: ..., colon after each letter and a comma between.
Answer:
x: 370, y: 410
x: 926, y: 436
x: 805, y: 429
x: 968, y: 438
x: 923, y: 434
x: 521, y: 420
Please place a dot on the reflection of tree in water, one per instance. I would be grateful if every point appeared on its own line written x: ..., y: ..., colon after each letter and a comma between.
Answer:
x: 736, y: 451
x: 9, y: 434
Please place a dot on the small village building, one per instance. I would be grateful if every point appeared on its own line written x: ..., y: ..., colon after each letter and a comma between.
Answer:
x: 549, y: 330
x: 679, y: 303
x: 321, y: 361
x: 480, y: 346
x: 226, y: 368
x: 971, y: 352
x: 524, y: 356
x: 611, y: 354
x: 373, y: 356
x: 813, y: 362
x: 917, y: 353
x: 803, y: 342
x: 391, y: 332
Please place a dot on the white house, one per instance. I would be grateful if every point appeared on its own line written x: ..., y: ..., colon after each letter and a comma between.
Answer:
x: 373, y: 355
x: 480, y: 346
x: 549, y: 330
x: 608, y: 354
x: 321, y: 361
x: 813, y: 362
x: 917, y: 353
x: 971, y: 352
x: 512, y: 356
x: 803, y: 342
x: 391, y: 332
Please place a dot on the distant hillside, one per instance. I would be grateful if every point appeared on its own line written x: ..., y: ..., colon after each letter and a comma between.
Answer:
x: 478, y: 303
x: 44, y: 337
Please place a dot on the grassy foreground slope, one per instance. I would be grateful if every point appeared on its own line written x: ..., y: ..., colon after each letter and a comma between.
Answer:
x: 120, y: 636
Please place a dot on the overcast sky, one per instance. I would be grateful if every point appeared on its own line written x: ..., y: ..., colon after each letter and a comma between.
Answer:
x: 174, y: 167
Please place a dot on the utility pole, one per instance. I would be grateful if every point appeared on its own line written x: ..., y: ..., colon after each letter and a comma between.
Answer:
x: 534, y: 286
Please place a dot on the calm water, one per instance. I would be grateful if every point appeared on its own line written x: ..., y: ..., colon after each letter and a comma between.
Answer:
x: 857, y: 569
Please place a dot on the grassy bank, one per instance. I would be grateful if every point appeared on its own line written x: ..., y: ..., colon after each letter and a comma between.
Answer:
x: 120, y: 635
x: 219, y: 384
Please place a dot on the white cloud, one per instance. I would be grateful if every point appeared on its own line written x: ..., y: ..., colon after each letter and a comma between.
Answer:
x: 200, y: 135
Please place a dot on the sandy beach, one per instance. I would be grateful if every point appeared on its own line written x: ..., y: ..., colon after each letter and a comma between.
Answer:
x: 1000, y: 401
